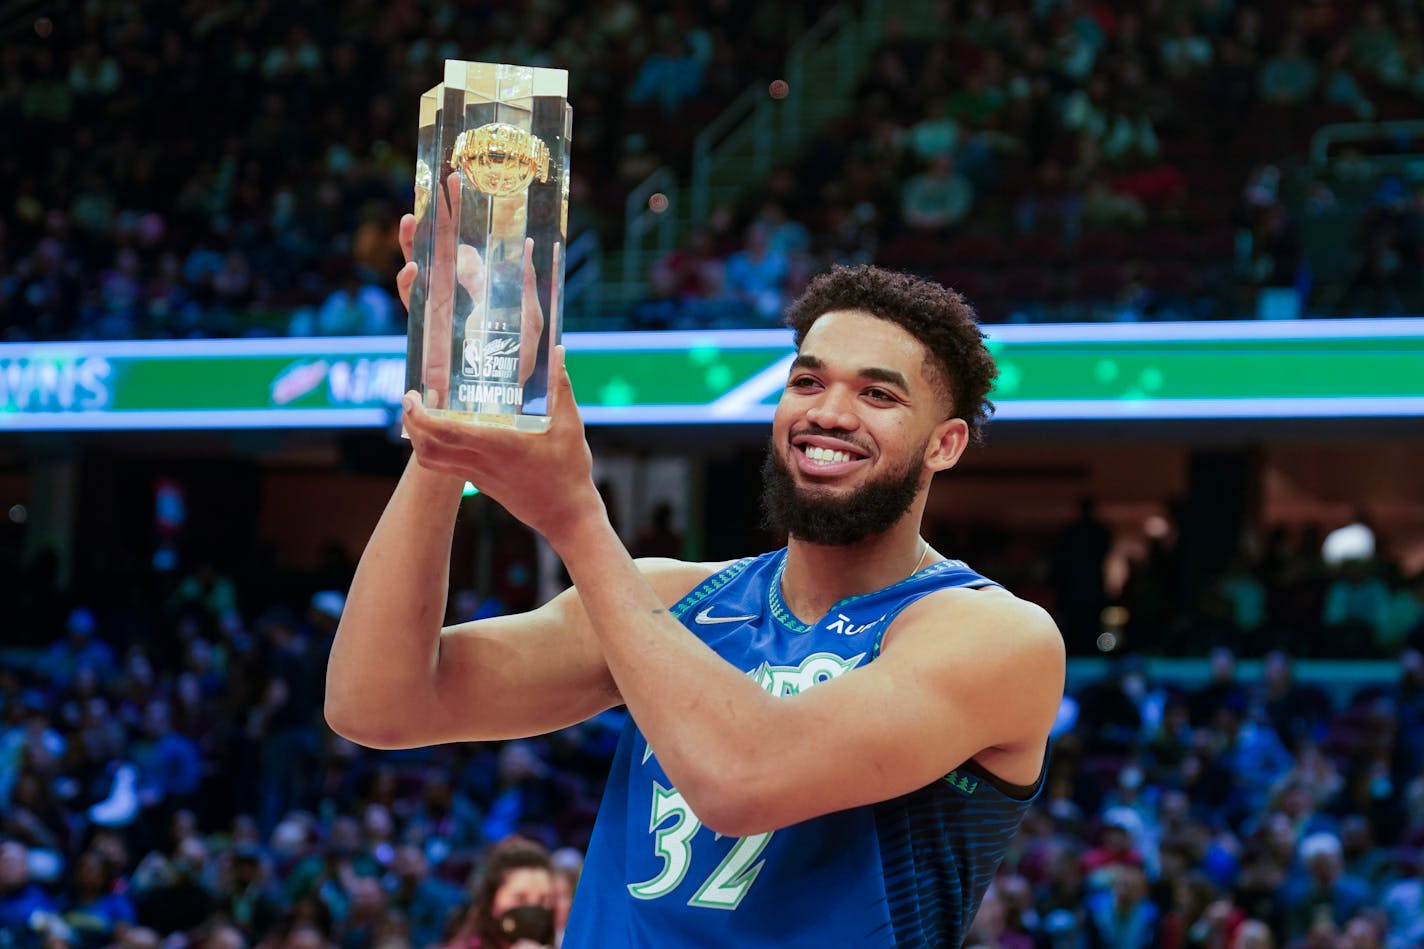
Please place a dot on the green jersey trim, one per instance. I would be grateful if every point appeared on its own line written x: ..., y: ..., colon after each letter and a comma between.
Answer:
x: 710, y: 586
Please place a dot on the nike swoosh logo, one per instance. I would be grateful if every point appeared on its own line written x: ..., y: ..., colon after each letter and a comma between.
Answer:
x: 707, y: 619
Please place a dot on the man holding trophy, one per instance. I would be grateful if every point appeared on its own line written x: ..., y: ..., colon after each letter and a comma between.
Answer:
x: 831, y: 744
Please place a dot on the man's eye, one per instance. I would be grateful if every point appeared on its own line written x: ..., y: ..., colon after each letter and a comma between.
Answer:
x: 803, y: 382
x: 880, y: 395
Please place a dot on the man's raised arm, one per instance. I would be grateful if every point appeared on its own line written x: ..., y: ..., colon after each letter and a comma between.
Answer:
x: 396, y: 679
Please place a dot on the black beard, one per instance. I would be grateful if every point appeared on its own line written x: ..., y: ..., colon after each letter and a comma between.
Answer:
x: 871, y: 509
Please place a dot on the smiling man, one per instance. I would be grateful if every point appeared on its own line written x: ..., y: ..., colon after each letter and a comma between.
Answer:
x: 831, y: 744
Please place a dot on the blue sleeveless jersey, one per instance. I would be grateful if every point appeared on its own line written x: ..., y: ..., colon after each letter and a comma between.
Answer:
x: 908, y: 872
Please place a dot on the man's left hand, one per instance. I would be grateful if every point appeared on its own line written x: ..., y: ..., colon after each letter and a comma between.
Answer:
x: 545, y: 480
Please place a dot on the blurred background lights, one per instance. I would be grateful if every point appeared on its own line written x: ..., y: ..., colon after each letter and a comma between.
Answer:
x: 1349, y: 543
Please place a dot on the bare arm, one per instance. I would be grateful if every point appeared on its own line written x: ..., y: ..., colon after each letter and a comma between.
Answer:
x: 396, y: 679
x: 380, y: 677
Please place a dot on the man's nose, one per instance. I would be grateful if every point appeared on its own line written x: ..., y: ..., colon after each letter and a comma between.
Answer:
x: 834, y: 410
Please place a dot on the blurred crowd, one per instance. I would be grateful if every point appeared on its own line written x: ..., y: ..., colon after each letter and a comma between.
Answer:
x: 204, y: 168
x: 167, y: 780
x: 211, y: 169
x: 1244, y: 816
x: 1085, y: 160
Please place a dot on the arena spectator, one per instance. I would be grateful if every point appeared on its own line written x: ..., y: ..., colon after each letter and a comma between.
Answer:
x: 567, y: 864
x: 95, y: 910
x: 1298, y: 713
x: 1121, y: 915
x: 246, y: 897
x: 934, y: 135
x: 668, y: 77
x: 170, y: 892
x: 169, y: 762
x: 79, y: 651
x: 1357, y: 603
x: 938, y: 198
x: 1186, y: 53
x: 757, y: 275
x: 513, y: 905
x: 1321, y: 890
x: 1288, y: 78
x: 992, y: 925
x: 1404, y: 910
x: 21, y: 899
x: 427, y: 902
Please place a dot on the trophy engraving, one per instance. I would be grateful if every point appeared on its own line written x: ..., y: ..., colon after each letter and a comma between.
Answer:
x: 491, y: 208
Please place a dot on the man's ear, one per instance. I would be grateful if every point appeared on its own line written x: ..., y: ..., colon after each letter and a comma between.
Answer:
x: 947, y: 443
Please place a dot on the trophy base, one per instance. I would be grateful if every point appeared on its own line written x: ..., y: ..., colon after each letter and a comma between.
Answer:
x: 534, y: 424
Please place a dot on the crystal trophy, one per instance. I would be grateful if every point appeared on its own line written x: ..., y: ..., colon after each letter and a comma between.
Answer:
x: 491, y: 211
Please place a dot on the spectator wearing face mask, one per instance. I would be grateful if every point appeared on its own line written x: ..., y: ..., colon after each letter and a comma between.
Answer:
x: 513, y: 905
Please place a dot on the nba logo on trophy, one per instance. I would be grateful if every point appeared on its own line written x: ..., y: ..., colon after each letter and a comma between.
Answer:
x: 494, y: 358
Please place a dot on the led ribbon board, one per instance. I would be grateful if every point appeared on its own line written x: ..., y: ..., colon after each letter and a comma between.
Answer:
x: 1304, y: 369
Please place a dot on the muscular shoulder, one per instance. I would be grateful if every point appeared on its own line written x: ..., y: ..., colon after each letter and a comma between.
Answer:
x: 990, y: 617
x: 674, y: 579
x: 990, y: 634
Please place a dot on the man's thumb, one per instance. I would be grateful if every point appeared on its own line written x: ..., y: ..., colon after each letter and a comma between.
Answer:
x: 561, y: 387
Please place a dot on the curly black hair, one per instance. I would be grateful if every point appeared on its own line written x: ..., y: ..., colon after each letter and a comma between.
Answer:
x: 937, y: 316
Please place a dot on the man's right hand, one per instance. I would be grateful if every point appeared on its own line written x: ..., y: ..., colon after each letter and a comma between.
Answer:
x: 452, y: 262
x: 448, y: 259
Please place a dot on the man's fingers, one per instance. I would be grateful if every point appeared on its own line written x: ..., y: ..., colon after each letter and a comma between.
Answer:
x: 531, y: 317
x: 405, y: 279
x: 406, y: 235
x: 447, y: 200
x: 440, y: 305
x: 556, y: 278
x: 530, y: 284
x: 561, y: 389
x: 451, y: 441
x: 470, y: 272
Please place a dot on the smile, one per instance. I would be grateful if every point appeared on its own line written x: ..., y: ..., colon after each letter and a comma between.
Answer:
x: 826, y: 457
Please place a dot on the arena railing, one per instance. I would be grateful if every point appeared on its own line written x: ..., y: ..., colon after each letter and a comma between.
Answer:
x: 739, y: 147
x: 1407, y: 132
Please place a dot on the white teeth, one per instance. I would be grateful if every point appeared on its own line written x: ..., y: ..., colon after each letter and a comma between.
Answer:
x: 825, y: 455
